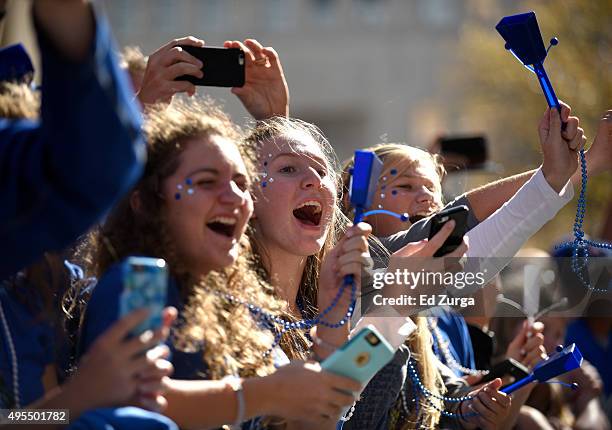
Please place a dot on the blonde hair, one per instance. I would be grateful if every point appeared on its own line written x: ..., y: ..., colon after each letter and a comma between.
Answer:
x: 403, y: 157
x: 132, y: 59
x: 18, y: 101
x: 394, y: 155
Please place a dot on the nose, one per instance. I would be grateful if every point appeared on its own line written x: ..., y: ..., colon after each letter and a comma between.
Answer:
x: 233, y: 195
x: 424, y: 195
x: 311, y: 179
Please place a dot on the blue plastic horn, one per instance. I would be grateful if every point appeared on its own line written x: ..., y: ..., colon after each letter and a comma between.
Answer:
x: 367, y: 168
x: 563, y: 361
x: 524, y: 40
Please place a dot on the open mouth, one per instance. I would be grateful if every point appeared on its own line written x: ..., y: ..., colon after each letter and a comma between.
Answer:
x: 225, y: 226
x: 308, y: 213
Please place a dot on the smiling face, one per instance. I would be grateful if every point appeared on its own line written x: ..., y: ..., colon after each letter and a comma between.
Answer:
x: 296, y: 196
x: 207, y: 204
x: 407, y: 184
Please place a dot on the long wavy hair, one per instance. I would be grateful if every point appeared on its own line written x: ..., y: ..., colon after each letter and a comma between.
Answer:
x: 288, y: 128
x: 209, y: 319
x: 403, y: 157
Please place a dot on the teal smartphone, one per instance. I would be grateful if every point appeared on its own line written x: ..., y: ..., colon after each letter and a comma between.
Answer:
x: 361, y: 357
x: 145, y: 285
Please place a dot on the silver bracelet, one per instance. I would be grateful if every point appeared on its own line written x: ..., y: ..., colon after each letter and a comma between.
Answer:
x: 236, y: 384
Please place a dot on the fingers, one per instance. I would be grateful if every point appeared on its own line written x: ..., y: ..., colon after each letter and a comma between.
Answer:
x: 146, y: 362
x: 566, y: 110
x: 180, y: 87
x: 118, y: 331
x: 256, y: 48
x: 411, y: 249
x: 353, y: 262
x: 534, y: 356
x: 341, y: 383
x: 248, y: 54
x: 140, y: 344
x: 544, y: 126
x: 180, y: 69
x: 439, y: 238
x: 273, y: 57
x: 188, y: 40
x: 460, y: 251
x: 179, y: 55
x: 355, y: 243
x: 554, y: 123
x: 571, y: 129
x: 169, y: 315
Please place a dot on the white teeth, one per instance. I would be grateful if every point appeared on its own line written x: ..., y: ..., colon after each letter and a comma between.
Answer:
x: 223, y: 220
x: 314, y: 203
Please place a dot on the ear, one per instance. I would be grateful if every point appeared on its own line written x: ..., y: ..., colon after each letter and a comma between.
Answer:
x: 136, y: 201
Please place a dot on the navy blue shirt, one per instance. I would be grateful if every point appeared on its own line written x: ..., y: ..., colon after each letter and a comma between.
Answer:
x: 594, y: 351
x: 59, y: 175
x: 455, y: 334
x: 33, y: 339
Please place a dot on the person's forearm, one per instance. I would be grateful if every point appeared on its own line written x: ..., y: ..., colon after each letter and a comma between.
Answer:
x: 68, y: 24
x: 204, y: 404
x: 330, y: 339
x: 488, y: 198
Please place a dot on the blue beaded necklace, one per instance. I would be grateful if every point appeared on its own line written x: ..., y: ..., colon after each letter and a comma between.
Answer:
x: 303, y: 324
x: 421, y: 391
x: 580, y: 250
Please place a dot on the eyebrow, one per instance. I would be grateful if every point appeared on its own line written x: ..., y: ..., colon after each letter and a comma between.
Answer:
x: 407, y: 176
x: 313, y: 157
x: 204, y: 170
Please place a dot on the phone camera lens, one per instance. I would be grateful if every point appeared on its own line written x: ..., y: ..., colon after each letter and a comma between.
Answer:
x: 372, y: 339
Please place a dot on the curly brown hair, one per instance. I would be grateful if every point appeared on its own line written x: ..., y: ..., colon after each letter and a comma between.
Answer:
x: 209, y: 319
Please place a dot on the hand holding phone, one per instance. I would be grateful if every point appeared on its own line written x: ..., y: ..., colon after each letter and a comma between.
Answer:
x: 459, y: 215
x: 164, y: 66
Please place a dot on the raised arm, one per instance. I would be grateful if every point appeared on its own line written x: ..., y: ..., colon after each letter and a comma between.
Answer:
x: 488, y: 198
x: 59, y: 175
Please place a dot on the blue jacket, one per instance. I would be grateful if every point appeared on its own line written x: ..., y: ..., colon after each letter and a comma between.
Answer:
x: 60, y: 174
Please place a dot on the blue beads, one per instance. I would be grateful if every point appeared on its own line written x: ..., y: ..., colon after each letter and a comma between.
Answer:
x: 188, y: 181
x: 177, y: 196
x: 579, y: 245
x: 394, y: 192
x: 264, y: 184
x: 393, y: 172
x: 304, y: 324
x: 421, y: 390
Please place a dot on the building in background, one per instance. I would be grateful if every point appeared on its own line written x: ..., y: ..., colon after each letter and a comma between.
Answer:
x: 362, y: 70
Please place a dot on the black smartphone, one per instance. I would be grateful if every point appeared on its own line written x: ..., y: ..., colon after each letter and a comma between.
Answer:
x: 459, y: 215
x: 223, y: 67
x: 463, y: 152
x: 507, y: 367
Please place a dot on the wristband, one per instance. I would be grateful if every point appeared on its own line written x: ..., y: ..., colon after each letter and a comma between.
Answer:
x: 236, y: 385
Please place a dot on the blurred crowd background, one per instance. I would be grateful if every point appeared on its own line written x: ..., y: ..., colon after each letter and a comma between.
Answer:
x: 368, y: 71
